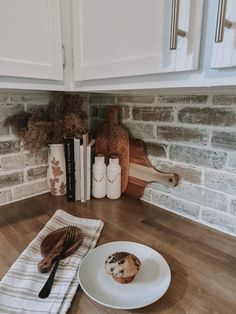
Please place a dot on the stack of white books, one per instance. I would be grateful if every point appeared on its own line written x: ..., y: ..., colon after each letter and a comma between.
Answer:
x: 79, y: 154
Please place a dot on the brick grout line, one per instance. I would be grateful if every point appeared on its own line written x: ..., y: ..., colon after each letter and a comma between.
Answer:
x: 175, y: 114
x: 11, y: 154
x: 24, y: 197
x: 177, y: 212
x: 194, y: 219
x: 167, y: 123
x: 200, y: 213
x: 210, y: 99
x: 203, y: 187
x: 223, y: 171
x: 178, y: 197
x: 179, y: 163
x: 210, y: 139
x: 141, y: 122
x: 8, y: 188
x: 222, y: 213
x: 17, y: 170
x: 195, y: 145
x: 148, y: 190
x: 180, y: 124
x: 156, y: 100
x: 213, y: 226
x: 231, y: 198
x: 227, y: 163
x: 168, y: 151
x: 27, y: 183
x: 188, y: 125
x: 116, y: 100
x: 230, y: 168
x: 203, y: 176
x: 188, y: 145
x: 199, y: 220
x: 228, y: 204
x: 25, y: 175
x: 131, y: 114
x: 218, y: 211
x: 36, y: 166
x: 202, y: 171
x: 155, y: 132
x: 9, y: 172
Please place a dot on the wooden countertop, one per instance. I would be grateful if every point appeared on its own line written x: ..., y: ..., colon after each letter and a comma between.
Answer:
x: 202, y: 260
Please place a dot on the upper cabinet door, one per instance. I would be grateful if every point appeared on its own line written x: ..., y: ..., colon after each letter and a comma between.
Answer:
x: 224, y: 47
x: 30, y: 39
x: 132, y: 37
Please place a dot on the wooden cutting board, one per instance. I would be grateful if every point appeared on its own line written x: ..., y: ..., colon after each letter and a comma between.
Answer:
x: 141, y: 171
x: 51, y: 247
x: 113, y: 139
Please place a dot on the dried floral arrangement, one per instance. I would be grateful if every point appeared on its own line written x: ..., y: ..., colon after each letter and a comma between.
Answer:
x: 62, y: 117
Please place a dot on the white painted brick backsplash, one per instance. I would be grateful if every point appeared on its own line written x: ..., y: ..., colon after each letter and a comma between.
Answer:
x: 17, y: 166
x: 29, y: 189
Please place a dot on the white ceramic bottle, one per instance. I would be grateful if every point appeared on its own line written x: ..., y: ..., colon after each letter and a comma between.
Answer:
x: 99, y: 177
x: 113, y: 178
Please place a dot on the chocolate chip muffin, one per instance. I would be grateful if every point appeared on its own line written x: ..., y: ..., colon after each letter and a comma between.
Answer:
x: 122, y: 266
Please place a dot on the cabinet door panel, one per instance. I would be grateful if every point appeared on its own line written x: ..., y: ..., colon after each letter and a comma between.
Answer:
x: 224, y: 53
x: 30, y: 39
x: 131, y: 37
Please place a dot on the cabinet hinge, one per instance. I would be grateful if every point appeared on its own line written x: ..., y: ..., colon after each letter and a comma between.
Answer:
x: 63, y: 56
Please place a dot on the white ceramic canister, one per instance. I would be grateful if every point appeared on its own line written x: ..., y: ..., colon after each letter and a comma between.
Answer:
x: 56, y: 175
x: 99, y: 177
x: 113, y: 178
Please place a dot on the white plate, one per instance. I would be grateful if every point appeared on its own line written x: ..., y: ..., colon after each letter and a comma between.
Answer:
x: 149, y: 285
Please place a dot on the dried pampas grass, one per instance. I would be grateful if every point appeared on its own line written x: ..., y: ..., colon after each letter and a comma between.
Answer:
x: 74, y: 125
x: 18, y: 123
x: 63, y: 117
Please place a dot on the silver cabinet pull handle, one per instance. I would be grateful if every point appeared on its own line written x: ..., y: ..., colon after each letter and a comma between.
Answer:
x: 222, y: 22
x: 175, y: 31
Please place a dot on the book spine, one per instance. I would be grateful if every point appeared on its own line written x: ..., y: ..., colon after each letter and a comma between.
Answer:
x: 90, y: 161
x: 77, y: 169
x: 85, y: 145
x: 88, y: 172
x: 82, y: 196
x: 70, y: 168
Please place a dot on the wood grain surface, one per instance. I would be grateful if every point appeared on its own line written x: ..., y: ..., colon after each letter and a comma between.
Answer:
x: 202, y: 260
x: 51, y: 247
x: 141, y: 171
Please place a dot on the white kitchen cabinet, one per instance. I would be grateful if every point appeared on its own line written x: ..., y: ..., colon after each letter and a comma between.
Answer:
x: 224, y: 51
x: 30, y: 39
x: 113, y: 45
x: 132, y: 37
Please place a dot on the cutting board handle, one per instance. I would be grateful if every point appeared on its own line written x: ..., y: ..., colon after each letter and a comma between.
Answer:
x: 46, y: 263
x: 113, y: 115
x: 142, y: 172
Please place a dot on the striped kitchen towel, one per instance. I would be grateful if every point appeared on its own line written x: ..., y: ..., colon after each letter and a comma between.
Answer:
x: 20, y: 287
